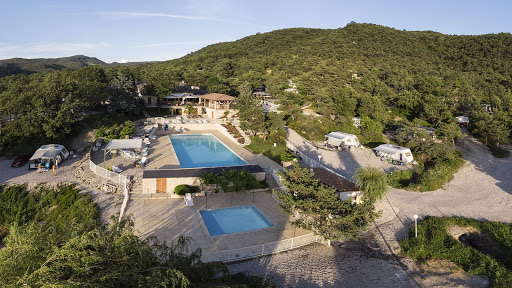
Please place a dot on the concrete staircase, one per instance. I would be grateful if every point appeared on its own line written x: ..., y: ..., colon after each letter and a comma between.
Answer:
x: 137, y: 193
x: 272, y: 184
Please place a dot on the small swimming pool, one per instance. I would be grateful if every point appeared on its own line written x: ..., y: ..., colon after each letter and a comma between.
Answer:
x: 203, y: 150
x: 233, y: 220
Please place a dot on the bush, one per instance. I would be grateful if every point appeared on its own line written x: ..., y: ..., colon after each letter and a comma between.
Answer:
x: 287, y: 157
x: 425, y: 179
x: 116, y: 131
x: 232, y: 180
x: 184, y: 189
x: 434, y: 242
x: 499, y: 152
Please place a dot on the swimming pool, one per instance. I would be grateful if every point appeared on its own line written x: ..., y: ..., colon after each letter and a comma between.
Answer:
x: 203, y: 150
x: 233, y: 220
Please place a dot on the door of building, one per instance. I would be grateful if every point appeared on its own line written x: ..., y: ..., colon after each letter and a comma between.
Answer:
x: 161, y: 185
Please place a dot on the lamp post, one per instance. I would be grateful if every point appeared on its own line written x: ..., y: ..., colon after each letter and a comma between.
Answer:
x: 415, y: 216
x: 319, y: 160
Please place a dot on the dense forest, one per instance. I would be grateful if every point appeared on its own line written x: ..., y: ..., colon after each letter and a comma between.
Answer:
x: 29, y: 66
x: 17, y: 66
x: 388, y: 77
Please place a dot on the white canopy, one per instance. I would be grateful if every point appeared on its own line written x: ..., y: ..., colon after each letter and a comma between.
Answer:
x: 340, y: 135
x: 391, y: 149
x: 124, y: 144
x: 45, y: 154
x: 462, y: 119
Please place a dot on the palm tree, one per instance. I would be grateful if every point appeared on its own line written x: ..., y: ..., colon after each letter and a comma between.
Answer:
x: 372, y: 181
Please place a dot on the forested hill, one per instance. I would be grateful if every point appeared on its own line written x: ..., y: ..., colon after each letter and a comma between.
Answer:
x: 323, y: 60
x: 30, y: 66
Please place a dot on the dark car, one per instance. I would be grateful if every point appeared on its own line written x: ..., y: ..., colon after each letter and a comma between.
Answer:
x: 20, y: 161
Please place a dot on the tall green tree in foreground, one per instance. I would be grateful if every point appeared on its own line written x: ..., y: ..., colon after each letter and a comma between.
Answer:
x: 373, y: 182
x: 317, y: 207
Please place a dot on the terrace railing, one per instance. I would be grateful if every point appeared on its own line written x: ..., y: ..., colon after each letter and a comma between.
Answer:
x: 263, y: 249
x: 115, y: 177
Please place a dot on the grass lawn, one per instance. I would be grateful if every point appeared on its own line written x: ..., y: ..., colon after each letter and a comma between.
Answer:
x: 258, y: 146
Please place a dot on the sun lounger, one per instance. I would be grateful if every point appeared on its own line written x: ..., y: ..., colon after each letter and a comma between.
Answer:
x: 178, y: 117
x: 183, y: 129
x: 188, y: 200
x: 116, y: 169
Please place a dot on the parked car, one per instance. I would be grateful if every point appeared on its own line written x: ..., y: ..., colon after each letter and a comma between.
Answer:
x: 20, y: 161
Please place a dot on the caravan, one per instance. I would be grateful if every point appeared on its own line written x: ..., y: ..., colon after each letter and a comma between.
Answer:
x: 395, y: 154
x: 51, y: 153
x: 341, y: 139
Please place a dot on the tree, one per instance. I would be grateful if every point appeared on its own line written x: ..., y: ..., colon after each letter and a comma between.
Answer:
x: 451, y: 131
x: 246, y: 103
x: 372, y: 181
x: 123, y: 95
x: 189, y: 109
x: 318, y: 207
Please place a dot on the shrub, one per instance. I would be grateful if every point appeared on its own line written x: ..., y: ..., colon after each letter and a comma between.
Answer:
x: 434, y: 242
x: 287, y: 157
x: 232, y: 180
x: 184, y: 189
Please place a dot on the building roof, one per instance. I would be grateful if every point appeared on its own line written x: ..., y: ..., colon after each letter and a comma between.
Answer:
x: 181, y: 95
x: 124, y: 144
x: 218, y: 97
x: 331, y: 179
x: 196, y: 172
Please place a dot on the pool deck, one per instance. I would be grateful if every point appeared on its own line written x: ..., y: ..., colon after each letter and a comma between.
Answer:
x: 167, y: 218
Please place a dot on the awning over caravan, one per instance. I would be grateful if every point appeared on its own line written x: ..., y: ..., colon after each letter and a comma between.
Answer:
x: 46, y: 154
x: 124, y: 144
x: 338, y: 135
x: 390, y: 149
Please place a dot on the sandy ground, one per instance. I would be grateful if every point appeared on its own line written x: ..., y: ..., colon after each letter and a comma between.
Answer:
x: 481, y: 189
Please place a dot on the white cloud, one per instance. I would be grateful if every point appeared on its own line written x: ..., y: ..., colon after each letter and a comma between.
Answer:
x: 123, y: 61
x: 147, y: 14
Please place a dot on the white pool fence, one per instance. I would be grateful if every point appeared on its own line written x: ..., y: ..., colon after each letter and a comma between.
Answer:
x: 264, y: 249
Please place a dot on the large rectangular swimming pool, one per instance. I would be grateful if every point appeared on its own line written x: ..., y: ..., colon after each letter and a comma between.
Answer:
x: 233, y: 220
x: 203, y: 150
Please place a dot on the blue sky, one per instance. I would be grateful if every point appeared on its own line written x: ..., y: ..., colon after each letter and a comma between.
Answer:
x: 113, y: 30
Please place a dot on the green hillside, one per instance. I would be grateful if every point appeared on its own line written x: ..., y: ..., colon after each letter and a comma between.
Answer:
x: 322, y: 61
x: 30, y: 66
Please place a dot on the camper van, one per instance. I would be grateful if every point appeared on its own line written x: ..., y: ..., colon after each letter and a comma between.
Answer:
x: 395, y: 154
x: 47, y: 155
x: 341, y: 139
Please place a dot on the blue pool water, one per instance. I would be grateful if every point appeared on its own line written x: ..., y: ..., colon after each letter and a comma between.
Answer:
x: 203, y: 150
x: 232, y: 220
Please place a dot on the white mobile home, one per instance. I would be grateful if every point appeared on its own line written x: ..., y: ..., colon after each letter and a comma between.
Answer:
x: 394, y: 153
x: 339, y: 139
